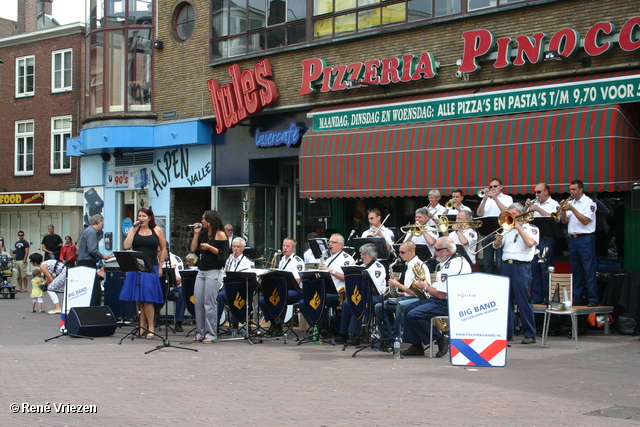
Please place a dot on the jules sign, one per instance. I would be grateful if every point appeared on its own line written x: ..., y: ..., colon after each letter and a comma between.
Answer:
x: 248, y: 93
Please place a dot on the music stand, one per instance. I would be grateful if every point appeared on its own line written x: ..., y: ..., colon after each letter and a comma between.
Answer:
x: 281, y: 282
x: 489, y: 225
x: 250, y: 281
x: 548, y: 226
x: 377, y: 339
x: 379, y: 242
x: 317, y: 281
x: 319, y: 247
x: 139, y: 263
x: 171, y: 282
x: 463, y: 253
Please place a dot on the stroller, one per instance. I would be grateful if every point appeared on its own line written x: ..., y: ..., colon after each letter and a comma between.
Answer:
x: 6, y: 272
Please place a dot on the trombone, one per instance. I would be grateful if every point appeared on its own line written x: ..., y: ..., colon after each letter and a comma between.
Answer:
x: 444, y: 224
x: 507, y: 222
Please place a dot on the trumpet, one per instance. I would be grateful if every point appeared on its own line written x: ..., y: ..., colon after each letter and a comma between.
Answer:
x: 528, y: 203
x: 481, y: 193
x: 449, y: 205
x: 558, y: 212
x: 507, y: 222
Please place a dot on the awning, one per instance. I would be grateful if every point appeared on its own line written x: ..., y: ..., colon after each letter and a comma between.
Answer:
x: 596, y: 144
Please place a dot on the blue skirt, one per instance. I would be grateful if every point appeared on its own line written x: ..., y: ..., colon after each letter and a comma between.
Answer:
x: 149, y: 289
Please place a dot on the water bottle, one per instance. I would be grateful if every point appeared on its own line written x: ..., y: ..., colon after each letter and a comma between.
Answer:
x: 315, y: 334
x: 396, y: 349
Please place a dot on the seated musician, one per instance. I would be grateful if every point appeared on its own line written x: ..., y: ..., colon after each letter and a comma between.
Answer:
x: 289, y: 262
x: 465, y: 236
x: 350, y: 327
x: 405, y: 295
x: 434, y: 208
x: 237, y: 262
x: 377, y: 228
x: 308, y: 256
x: 338, y: 258
x: 456, y: 201
x: 418, y: 319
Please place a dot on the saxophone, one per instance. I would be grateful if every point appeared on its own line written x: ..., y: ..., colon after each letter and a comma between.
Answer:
x: 392, y: 291
x: 418, y: 273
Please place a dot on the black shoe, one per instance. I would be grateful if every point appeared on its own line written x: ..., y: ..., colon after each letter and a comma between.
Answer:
x: 528, y: 340
x: 353, y: 340
x: 592, y: 304
x: 178, y: 327
x: 275, y: 330
x: 414, y: 350
x: 443, y: 346
x: 342, y: 339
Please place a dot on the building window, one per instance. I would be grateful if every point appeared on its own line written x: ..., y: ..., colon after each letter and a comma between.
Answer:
x: 185, y: 20
x: 24, y: 148
x: 25, y: 69
x: 60, y: 132
x: 61, y: 68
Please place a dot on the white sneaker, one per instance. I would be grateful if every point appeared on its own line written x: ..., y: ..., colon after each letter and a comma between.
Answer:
x: 54, y: 311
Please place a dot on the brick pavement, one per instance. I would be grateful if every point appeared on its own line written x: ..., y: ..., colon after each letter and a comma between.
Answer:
x: 234, y: 383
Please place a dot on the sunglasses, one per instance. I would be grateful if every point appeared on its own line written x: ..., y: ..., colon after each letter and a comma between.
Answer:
x: 402, y: 252
x: 493, y: 186
x: 439, y: 249
x: 538, y: 192
x: 20, y: 235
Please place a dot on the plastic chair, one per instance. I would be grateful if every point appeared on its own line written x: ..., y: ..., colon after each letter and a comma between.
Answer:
x: 560, y: 285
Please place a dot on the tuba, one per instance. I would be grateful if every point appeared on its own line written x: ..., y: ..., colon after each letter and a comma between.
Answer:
x: 418, y: 273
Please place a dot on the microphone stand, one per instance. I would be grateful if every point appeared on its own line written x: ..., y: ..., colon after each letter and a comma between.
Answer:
x: 165, y: 341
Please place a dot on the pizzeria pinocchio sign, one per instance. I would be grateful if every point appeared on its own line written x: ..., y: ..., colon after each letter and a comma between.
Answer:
x: 21, y: 199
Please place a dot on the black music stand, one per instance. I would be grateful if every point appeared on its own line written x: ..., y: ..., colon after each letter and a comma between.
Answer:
x: 377, y: 339
x: 463, y: 253
x: 379, y: 242
x: 171, y: 282
x: 489, y: 226
x: 548, y: 226
x: 290, y: 284
x: 139, y: 263
x: 323, y: 280
x: 319, y: 247
x: 250, y: 281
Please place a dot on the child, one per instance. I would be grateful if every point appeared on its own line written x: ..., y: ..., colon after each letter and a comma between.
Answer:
x: 36, y: 292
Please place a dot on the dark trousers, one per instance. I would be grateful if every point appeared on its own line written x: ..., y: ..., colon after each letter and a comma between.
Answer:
x: 540, y: 270
x: 520, y: 278
x: 96, y: 295
x: 582, y: 253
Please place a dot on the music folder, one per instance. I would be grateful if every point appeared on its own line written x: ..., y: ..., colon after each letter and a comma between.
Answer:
x: 548, y: 226
x: 489, y: 225
x: 318, y: 247
x: 329, y: 286
x: 379, y: 242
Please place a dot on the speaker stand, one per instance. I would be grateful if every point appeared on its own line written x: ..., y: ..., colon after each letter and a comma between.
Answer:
x: 70, y: 335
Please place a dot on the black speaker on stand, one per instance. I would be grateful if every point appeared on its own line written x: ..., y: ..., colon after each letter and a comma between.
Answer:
x: 91, y: 321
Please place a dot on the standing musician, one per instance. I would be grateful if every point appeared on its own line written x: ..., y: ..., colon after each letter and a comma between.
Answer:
x: 337, y: 259
x: 428, y: 236
x: 493, y: 204
x: 418, y: 319
x: 406, y: 296
x: 456, y: 201
x: 519, y: 249
x: 580, y: 214
x: 289, y: 262
x: 377, y: 228
x: 237, y: 261
x: 542, y: 206
x: 434, y: 208
x: 465, y: 236
x: 349, y: 324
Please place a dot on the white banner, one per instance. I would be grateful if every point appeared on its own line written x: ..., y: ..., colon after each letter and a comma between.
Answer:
x: 79, y: 290
x: 478, y: 314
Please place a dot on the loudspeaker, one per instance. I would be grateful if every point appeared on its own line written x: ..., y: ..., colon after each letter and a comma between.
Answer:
x: 91, y: 321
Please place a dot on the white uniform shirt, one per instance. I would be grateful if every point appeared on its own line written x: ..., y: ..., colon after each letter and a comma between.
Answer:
x: 309, y: 258
x: 549, y: 206
x: 409, y: 274
x: 237, y: 264
x: 457, y: 211
x: 491, y: 207
x: 336, y: 262
x: 515, y: 248
x: 378, y: 275
x: 586, y: 207
x: 435, y: 211
x: 388, y: 234
x: 451, y: 267
x: 472, y: 237
x: 294, y: 264
x: 420, y: 240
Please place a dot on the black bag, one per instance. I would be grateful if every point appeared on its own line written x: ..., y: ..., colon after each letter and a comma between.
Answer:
x: 627, y: 325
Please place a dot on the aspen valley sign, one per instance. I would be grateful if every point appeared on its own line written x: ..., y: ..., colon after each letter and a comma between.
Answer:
x: 478, y: 44
x: 248, y: 93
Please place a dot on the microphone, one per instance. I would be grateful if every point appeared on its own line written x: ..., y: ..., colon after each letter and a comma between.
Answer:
x: 137, y: 223
x: 353, y: 232
x: 199, y: 224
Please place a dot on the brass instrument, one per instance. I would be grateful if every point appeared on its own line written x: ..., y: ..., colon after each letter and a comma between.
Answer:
x: 444, y: 224
x: 418, y: 273
x: 528, y: 203
x: 507, y: 222
x: 342, y: 295
x: 481, y: 193
x: 442, y: 324
x: 392, y: 291
x: 273, y: 264
x: 415, y: 229
x: 449, y: 205
x: 558, y: 212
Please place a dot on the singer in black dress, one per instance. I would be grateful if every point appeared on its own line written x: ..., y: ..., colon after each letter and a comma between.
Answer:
x: 147, y: 238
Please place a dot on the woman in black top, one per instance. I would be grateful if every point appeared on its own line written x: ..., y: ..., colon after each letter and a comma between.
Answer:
x: 212, y: 245
x: 147, y: 238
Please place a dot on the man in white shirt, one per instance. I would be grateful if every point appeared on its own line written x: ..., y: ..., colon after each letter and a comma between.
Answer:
x: 580, y: 215
x: 427, y: 238
x: 434, y: 208
x: 237, y: 261
x: 493, y: 204
x: 456, y: 201
x: 542, y: 206
x: 377, y: 229
x: 519, y: 246
x: 465, y: 236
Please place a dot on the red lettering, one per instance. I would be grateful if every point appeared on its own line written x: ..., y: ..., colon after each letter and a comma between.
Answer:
x: 628, y: 38
x: 531, y: 47
x: 408, y: 63
x: 241, y: 112
x: 229, y: 106
x: 476, y: 44
x: 214, y: 88
x: 339, y: 81
x: 389, y: 71
x: 425, y: 67
x: 250, y: 92
x: 565, y: 42
x: 592, y: 43
x: 311, y: 71
x: 355, y: 71
x: 503, y: 59
x: 268, y: 93
x: 371, y: 72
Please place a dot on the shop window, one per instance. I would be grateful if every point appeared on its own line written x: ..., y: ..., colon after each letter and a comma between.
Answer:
x: 185, y: 21
x: 24, y: 148
x: 61, y: 70
x: 25, y: 76
x: 60, y: 132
